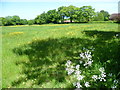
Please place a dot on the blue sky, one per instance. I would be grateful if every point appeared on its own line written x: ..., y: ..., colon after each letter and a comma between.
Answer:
x: 29, y: 9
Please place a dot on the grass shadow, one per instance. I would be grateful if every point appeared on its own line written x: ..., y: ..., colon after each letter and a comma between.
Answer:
x: 107, y: 50
x: 47, y: 58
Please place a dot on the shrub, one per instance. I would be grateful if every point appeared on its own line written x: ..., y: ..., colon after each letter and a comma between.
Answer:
x: 87, y: 73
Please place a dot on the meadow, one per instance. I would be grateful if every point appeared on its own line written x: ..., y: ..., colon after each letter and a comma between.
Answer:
x: 35, y: 56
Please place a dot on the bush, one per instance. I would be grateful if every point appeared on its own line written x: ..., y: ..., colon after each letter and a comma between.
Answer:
x: 87, y: 73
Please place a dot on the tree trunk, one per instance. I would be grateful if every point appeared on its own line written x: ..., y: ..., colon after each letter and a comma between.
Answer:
x: 71, y: 19
x: 62, y: 20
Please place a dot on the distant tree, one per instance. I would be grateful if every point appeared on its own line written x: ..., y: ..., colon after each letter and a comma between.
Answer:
x: 99, y: 17
x: 80, y: 17
x: 41, y: 19
x: 23, y: 22
x: 71, y: 12
x: 105, y: 14
x: 8, y: 21
x: 52, y: 16
x: 30, y: 22
x: 87, y: 12
x: 11, y: 20
x: 62, y: 13
x: 1, y: 23
x: 16, y: 20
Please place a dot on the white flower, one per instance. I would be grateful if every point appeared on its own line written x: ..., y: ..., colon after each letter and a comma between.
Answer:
x: 117, y: 35
x: 102, y: 69
x: 103, y: 75
x: 87, y: 84
x: 115, y: 81
x: 114, y: 86
x: 95, y: 77
x: 78, y: 85
x: 77, y: 72
x: 82, y: 55
x: 68, y: 63
x: 101, y: 78
x: 69, y: 70
x: 77, y: 67
x: 80, y: 77
x: 74, y: 84
x: 81, y: 62
x: 86, y: 55
x: 89, y: 63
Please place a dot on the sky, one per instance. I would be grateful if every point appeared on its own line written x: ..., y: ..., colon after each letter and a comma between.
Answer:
x: 29, y: 9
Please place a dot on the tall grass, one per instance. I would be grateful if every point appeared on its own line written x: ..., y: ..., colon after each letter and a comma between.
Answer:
x: 35, y: 56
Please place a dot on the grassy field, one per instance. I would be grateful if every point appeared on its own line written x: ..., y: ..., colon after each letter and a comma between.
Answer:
x: 35, y: 56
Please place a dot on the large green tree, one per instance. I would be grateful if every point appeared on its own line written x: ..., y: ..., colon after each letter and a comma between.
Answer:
x: 62, y: 13
x: 53, y: 16
x: 87, y: 12
x: 16, y: 20
x: 41, y: 19
x: 105, y: 14
x: 71, y: 12
x: 30, y: 22
x: 8, y: 21
x: 99, y: 17
x: 23, y: 22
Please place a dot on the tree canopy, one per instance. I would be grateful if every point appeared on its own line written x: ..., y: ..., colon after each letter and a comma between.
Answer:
x: 59, y: 15
x: 73, y: 13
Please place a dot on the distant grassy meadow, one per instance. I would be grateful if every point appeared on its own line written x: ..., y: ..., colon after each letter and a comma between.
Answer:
x: 35, y: 56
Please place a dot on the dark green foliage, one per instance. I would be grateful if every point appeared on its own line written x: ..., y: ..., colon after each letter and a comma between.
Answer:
x: 102, y: 16
x: 1, y: 24
x: 72, y: 13
x: 16, y: 20
x: 30, y: 22
x: 105, y: 14
x: 13, y: 20
x: 99, y: 17
x: 61, y: 12
x: 8, y: 21
x: 87, y: 12
x: 23, y: 22
x: 41, y: 19
x: 52, y: 16
x: 83, y: 14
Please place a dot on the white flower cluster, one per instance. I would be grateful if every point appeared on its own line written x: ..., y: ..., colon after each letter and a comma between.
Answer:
x: 70, y: 68
x: 115, y: 82
x: 78, y: 85
x: 87, y: 57
x: 101, y: 77
x: 95, y: 77
x: 78, y: 73
x: 87, y: 84
x: 86, y: 61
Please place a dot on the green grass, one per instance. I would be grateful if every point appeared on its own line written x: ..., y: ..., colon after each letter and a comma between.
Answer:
x: 34, y: 56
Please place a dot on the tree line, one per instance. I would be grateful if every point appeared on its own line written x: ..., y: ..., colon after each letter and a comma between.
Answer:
x: 71, y: 13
